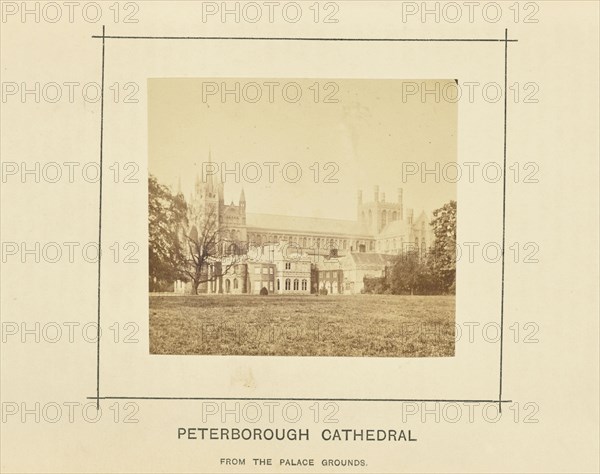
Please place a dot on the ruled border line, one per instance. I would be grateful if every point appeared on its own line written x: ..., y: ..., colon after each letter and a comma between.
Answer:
x: 505, y: 40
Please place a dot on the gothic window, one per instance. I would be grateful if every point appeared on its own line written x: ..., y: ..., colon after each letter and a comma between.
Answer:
x: 235, y: 284
x: 287, y: 284
x: 278, y: 284
x: 288, y: 266
x: 296, y: 284
x: 304, y: 285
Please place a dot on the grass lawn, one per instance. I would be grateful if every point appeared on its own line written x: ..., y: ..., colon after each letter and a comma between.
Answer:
x: 360, y: 325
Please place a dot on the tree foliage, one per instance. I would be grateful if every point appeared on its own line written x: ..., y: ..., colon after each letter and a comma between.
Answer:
x: 425, y: 273
x: 443, y: 253
x: 183, y: 242
x: 167, y: 217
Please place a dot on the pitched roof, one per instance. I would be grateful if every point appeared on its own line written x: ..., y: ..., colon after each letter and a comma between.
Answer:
x: 364, y: 261
x: 308, y: 225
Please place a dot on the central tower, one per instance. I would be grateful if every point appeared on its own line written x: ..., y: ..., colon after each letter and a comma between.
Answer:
x: 375, y: 215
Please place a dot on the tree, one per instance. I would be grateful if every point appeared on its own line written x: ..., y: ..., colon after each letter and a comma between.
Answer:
x: 442, y: 260
x: 167, y: 216
x: 407, y: 274
x: 207, y: 257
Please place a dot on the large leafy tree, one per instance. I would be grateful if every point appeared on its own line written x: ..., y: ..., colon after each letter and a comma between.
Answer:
x: 435, y: 271
x: 410, y: 275
x: 442, y: 260
x: 167, y: 219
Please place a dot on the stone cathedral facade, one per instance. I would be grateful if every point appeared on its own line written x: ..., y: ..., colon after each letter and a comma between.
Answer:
x: 303, y: 255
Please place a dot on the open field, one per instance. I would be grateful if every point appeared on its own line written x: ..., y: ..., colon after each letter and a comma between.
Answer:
x: 358, y: 326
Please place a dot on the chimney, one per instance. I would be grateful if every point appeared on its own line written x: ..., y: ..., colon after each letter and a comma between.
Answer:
x: 376, y: 193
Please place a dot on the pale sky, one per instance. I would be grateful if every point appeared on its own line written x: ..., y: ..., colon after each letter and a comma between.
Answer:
x: 368, y: 134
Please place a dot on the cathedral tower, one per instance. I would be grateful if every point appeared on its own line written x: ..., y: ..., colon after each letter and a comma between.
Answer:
x: 378, y: 213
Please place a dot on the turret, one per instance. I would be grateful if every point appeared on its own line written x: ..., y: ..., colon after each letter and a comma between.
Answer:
x: 400, y: 204
x: 242, y: 206
x: 198, y: 184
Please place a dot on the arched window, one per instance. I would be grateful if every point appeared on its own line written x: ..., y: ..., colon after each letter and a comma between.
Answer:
x: 235, y: 284
x: 296, y: 285
x: 278, y: 284
x: 227, y: 286
x: 287, y: 284
x: 304, y: 285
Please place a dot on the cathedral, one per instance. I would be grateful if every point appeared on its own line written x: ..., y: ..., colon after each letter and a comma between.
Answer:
x: 303, y: 255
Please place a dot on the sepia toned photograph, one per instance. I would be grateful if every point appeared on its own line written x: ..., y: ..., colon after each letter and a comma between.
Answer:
x: 301, y: 217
